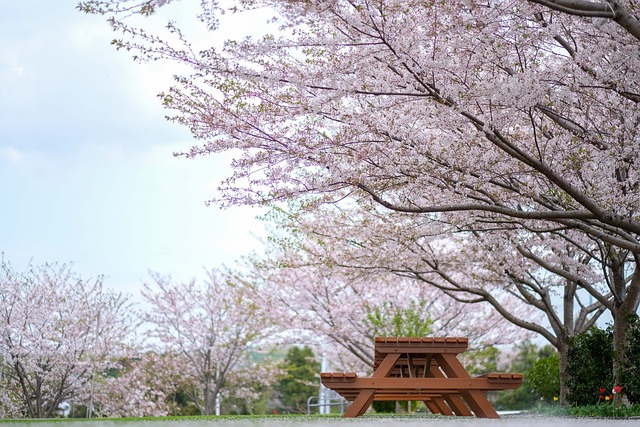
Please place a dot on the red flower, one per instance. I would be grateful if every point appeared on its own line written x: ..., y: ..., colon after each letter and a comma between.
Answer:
x: 601, y: 389
x: 601, y: 397
x: 617, y: 389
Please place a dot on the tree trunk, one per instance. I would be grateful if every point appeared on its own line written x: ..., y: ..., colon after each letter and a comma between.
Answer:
x: 626, y: 301
x: 563, y: 354
x: 209, y: 401
x: 566, y: 331
x: 620, y: 326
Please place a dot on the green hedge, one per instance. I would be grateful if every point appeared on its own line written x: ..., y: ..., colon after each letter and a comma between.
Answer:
x: 590, y: 366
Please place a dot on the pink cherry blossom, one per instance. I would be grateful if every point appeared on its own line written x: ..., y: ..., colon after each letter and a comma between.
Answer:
x: 204, y: 330
x: 495, y: 142
x: 59, y: 331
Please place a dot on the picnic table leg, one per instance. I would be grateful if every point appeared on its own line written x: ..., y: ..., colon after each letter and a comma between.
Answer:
x: 476, y: 399
x: 457, y: 405
x: 454, y: 400
x: 443, y: 408
x: 431, y: 406
x: 362, y: 402
x: 385, y: 368
x: 478, y: 402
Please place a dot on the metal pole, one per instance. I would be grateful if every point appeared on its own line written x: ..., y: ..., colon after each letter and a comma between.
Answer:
x: 217, y: 394
x: 93, y: 371
x: 309, y: 404
x: 322, y: 399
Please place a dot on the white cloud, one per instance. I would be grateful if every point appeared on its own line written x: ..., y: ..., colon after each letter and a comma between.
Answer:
x: 11, y: 70
x: 86, y: 166
x: 11, y: 155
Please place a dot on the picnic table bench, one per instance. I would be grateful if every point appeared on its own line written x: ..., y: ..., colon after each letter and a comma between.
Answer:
x: 423, y: 369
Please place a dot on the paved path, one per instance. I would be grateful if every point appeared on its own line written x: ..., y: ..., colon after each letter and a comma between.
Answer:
x: 413, y: 421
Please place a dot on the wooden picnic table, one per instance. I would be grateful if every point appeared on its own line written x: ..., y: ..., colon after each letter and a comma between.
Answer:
x: 423, y: 369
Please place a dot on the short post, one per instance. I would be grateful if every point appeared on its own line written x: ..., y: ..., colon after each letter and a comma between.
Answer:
x: 323, y: 408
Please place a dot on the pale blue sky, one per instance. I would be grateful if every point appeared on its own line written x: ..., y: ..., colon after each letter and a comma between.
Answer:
x: 86, y: 167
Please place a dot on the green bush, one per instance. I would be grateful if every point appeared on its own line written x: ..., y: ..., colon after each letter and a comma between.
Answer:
x: 299, y: 382
x: 605, y: 411
x: 589, y: 366
x: 384, y: 406
x: 631, y: 369
x: 544, y: 377
x: 528, y: 362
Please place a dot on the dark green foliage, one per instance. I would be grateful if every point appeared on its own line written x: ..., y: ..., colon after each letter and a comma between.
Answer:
x: 609, y: 411
x: 544, y: 377
x: 234, y: 405
x: 589, y: 366
x: 300, y: 381
x: 384, y: 407
x: 631, y: 369
x: 541, y: 380
x: 181, y: 403
x: 391, y: 407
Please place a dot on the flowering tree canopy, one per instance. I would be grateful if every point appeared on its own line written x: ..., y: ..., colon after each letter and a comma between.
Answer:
x: 57, y: 330
x: 341, y: 310
x: 518, y: 116
x: 206, y: 329
x: 141, y: 387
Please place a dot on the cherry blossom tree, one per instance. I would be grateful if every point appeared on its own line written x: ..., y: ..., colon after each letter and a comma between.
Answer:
x: 57, y: 330
x: 504, y: 270
x: 138, y: 386
x: 518, y: 115
x: 251, y: 382
x: 206, y: 329
x: 340, y: 310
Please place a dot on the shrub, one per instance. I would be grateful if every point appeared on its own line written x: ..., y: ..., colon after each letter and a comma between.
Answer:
x: 532, y: 362
x: 544, y: 377
x: 605, y: 411
x: 589, y: 366
x: 631, y: 368
x: 384, y: 407
x: 300, y: 380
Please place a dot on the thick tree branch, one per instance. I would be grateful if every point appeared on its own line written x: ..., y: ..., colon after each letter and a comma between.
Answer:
x: 565, y: 274
x: 610, y: 9
x: 514, y: 213
x: 583, y: 322
x: 454, y: 288
x: 579, y: 7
